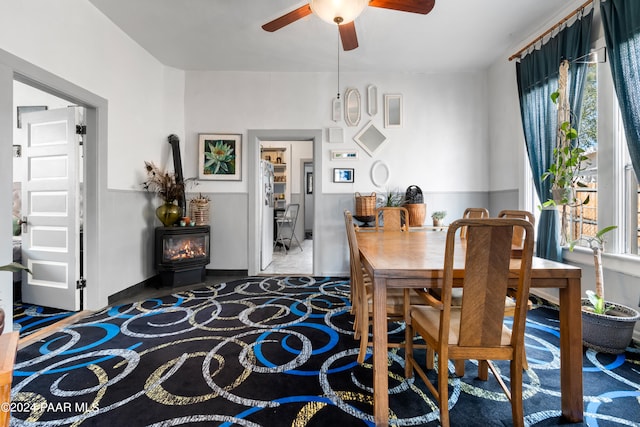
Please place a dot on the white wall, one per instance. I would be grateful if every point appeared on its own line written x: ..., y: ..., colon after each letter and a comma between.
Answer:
x: 73, y: 41
x: 445, y: 123
x: 442, y: 147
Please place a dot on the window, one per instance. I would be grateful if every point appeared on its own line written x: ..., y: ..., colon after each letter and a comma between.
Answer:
x: 583, y: 218
x: 610, y: 168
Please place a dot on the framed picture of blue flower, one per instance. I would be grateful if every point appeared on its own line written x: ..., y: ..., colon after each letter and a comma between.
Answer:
x: 220, y: 156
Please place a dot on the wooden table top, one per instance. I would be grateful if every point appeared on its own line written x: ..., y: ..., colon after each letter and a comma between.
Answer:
x: 421, y: 254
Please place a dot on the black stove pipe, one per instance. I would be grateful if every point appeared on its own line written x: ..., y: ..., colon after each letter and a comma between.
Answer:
x: 177, y: 167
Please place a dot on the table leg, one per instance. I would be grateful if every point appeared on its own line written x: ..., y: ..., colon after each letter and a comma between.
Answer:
x: 380, y: 357
x: 571, y: 352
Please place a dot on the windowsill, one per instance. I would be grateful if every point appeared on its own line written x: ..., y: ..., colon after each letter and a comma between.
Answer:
x: 621, y: 263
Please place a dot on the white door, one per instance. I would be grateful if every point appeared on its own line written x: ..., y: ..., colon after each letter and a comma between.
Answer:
x: 51, y: 232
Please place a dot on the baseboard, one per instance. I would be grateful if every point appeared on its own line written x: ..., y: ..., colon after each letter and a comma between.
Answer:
x: 218, y: 273
x: 133, y: 290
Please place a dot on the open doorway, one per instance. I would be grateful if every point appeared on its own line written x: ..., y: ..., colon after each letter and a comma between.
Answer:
x: 47, y: 199
x: 286, y: 247
x: 255, y: 139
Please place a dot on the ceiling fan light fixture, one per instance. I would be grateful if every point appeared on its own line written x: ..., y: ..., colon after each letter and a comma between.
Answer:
x: 338, y: 11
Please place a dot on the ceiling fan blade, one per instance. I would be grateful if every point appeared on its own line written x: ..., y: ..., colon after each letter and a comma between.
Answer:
x: 348, y: 36
x: 287, y: 19
x: 413, y: 6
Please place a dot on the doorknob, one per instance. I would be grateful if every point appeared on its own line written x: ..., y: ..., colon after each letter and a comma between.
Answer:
x: 23, y: 223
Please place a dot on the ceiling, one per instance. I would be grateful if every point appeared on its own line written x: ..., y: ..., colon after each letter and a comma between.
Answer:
x: 227, y: 35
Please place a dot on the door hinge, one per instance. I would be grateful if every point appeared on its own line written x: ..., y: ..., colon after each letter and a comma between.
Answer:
x: 81, y: 130
x: 81, y: 284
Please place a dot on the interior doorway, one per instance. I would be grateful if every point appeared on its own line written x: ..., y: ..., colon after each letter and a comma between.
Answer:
x: 255, y: 139
x: 287, y: 246
x: 47, y: 198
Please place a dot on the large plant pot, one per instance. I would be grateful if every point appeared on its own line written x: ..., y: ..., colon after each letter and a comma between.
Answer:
x: 611, y: 332
x: 417, y: 213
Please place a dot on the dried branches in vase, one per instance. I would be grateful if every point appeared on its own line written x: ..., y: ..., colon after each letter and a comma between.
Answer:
x: 162, y: 183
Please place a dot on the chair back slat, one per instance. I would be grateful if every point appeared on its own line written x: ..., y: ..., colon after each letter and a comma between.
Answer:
x: 485, y: 287
x: 393, y: 218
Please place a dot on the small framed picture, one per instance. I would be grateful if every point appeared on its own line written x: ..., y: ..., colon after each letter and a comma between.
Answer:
x: 220, y: 157
x: 335, y: 135
x: 28, y: 109
x: 336, y: 110
x: 343, y: 175
x: 344, y: 154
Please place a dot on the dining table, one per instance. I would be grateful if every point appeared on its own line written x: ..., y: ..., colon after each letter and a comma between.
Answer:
x: 415, y: 259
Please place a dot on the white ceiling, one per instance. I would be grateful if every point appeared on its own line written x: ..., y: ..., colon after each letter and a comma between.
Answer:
x: 227, y: 34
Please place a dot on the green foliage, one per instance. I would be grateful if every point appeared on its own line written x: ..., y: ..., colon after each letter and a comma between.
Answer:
x: 594, y: 242
x: 439, y: 214
x: 570, y: 160
x: 392, y: 198
x: 597, y: 302
x: 14, y: 267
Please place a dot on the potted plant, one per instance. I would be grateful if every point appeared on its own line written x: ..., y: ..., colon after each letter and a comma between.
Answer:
x: 392, y: 198
x: 414, y: 202
x: 606, y: 326
x: 569, y: 157
x: 437, y: 218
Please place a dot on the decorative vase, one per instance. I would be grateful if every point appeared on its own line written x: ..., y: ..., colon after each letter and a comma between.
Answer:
x: 168, y: 213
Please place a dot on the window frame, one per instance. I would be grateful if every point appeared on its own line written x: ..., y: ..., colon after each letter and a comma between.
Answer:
x: 614, y: 174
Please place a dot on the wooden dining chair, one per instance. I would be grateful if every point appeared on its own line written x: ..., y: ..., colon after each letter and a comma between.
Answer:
x: 476, y: 329
x: 362, y: 295
x: 394, y: 218
x: 518, y: 234
x: 473, y: 213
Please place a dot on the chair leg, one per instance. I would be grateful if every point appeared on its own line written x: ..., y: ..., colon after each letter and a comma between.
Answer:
x: 297, y: 241
x: 443, y: 390
x: 459, y: 364
x: 517, y: 411
x: 430, y: 357
x: 483, y: 370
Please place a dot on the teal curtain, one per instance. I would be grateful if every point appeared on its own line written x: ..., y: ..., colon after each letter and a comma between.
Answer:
x: 621, y: 22
x: 537, y: 75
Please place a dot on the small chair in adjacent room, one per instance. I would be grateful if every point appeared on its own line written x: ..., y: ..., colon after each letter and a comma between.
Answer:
x: 475, y: 329
x: 286, y: 228
x: 394, y: 218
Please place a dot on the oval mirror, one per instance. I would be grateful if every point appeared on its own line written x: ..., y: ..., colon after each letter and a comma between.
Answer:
x: 380, y: 173
x: 352, y: 107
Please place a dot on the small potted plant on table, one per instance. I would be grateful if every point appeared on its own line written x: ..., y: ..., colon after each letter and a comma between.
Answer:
x: 437, y: 218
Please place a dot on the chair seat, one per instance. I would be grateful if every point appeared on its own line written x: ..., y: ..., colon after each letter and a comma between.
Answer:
x: 395, y: 300
x: 429, y: 319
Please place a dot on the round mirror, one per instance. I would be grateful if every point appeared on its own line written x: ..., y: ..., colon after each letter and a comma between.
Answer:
x: 380, y: 173
x: 352, y: 107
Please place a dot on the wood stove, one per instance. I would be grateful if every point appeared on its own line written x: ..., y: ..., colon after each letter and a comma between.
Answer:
x: 182, y: 254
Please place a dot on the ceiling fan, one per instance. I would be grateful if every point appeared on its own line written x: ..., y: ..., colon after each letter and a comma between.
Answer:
x: 344, y: 12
